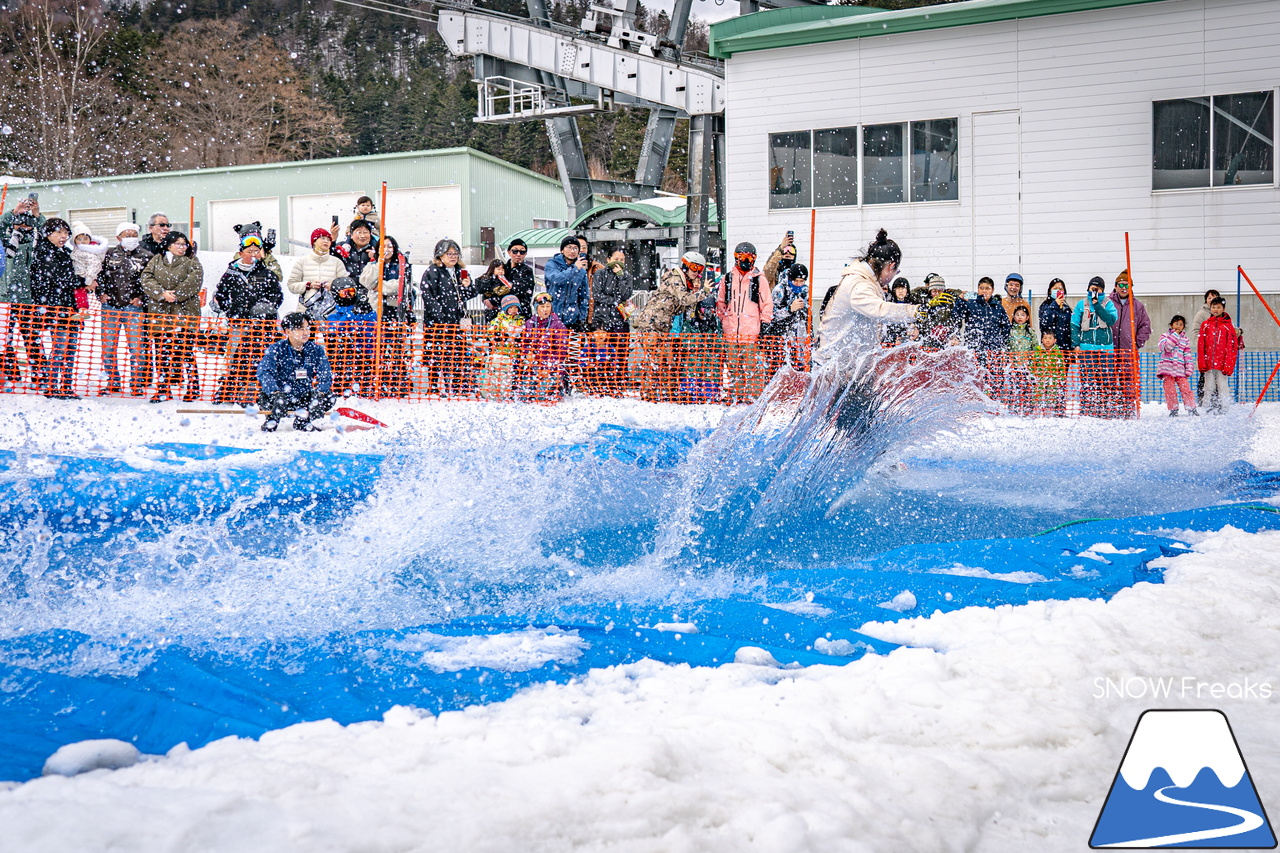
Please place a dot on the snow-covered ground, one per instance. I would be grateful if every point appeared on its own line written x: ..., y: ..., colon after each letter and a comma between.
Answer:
x: 996, y: 731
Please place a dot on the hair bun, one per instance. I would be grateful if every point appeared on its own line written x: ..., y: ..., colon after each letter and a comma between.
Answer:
x: 882, y: 236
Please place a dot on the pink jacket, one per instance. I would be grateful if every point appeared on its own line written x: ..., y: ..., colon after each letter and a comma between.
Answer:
x: 739, y: 314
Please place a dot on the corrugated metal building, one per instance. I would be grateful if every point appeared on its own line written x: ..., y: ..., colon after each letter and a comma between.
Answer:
x: 453, y: 192
x: 991, y: 136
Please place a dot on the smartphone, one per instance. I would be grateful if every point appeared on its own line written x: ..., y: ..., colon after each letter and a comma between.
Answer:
x: 33, y: 196
x: 335, y: 219
x: 791, y: 235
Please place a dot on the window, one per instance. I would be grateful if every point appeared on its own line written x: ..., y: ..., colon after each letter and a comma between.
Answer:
x: 790, y: 170
x: 935, y: 169
x: 883, y: 164
x: 1224, y: 140
x: 835, y: 167
x: 893, y: 163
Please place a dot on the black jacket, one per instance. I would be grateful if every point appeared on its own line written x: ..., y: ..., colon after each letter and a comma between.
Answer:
x: 120, y: 281
x: 355, y: 259
x: 1056, y: 320
x: 53, y: 275
x: 986, y: 325
x: 445, y: 295
x: 609, y: 290
x: 522, y: 283
x: 239, y: 291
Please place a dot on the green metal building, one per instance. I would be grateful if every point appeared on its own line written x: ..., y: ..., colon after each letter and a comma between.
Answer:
x: 454, y: 192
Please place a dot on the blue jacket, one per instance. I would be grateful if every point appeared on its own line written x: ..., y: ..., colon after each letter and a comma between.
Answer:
x: 285, y: 369
x: 1096, y: 334
x: 986, y: 325
x: 568, y: 288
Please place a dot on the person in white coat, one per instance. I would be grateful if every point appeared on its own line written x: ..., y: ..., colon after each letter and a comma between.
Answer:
x: 315, y: 270
x: 855, y: 309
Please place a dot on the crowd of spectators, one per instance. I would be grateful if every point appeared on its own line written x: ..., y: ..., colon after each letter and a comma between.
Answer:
x: 383, y: 331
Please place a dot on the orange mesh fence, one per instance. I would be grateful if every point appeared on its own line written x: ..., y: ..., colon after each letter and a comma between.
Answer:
x: 103, y: 352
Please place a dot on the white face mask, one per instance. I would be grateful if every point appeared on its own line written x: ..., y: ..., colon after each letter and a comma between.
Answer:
x: 129, y: 243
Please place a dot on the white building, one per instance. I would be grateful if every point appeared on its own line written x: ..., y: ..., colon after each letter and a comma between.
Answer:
x: 991, y: 136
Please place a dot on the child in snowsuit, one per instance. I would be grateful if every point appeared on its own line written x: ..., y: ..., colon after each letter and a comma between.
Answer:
x: 1217, y: 348
x: 1049, y: 367
x: 1175, y: 366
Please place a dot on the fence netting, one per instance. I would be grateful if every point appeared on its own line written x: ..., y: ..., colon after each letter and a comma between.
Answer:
x: 199, y: 358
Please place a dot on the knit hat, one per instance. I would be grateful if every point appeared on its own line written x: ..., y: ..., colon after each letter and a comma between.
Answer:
x: 933, y: 280
x: 517, y: 242
x: 127, y: 226
x: 509, y: 300
x: 318, y: 233
x: 78, y: 228
x: 1097, y: 280
x: 53, y: 224
x: 568, y: 241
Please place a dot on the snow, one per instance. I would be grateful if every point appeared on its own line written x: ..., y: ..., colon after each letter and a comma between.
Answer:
x: 105, y: 754
x: 994, y: 732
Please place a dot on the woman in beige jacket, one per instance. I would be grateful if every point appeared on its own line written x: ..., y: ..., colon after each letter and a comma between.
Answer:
x: 317, y: 269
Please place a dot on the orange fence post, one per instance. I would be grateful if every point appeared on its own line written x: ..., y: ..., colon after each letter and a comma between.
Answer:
x: 1133, y: 334
x: 813, y: 235
x: 1266, y: 305
x: 382, y: 259
x: 4, y: 193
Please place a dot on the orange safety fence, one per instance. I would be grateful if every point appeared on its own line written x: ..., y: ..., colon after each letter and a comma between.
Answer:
x: 104, y: 352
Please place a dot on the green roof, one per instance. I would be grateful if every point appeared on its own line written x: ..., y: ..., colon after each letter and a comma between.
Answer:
x: 813, y: 24
x: 538, y: 238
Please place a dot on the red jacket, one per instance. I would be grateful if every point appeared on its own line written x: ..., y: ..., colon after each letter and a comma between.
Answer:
x: 1218, y: 345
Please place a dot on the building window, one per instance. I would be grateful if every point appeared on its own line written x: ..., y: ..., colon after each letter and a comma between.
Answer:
x: 884, y: 174
x: 835, y: 167
x: 1219, y: 141
x: 935, y: 168
x: 790, y: 170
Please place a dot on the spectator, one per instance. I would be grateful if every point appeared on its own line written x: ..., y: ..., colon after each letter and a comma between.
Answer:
x: 853, y: 309
x: 611, y: 305
x: 446, y: 287
x: 1055, y: 314
x: 359, y: 249
x: 1122, y: 298
x: 544, y: 345
x: 1021, y: 338
x: 20, y: 231
x: 262, y: 252
x: 899, y: 294
x: 86, y: 256
x: 312, y: 273
x: 1175, y: 367
x: 1218, y: 347
x: 940, y: 315
x: 399, y: 316
x: 1049, y: 369
x: 53, y: 289
x: 295, y: 377
x: 566, y: 280
x: 677, y: 292
x: 791, y: 316
x: 494, y: 286
x: 365, y: 212
x: 1013, y: 295
x: 350, y: 336
x: 1194, y: 334
x: 1091, y: 323
x: 520, y: 274
x: 499, y: 363
x: 171, y: 281
x: 157, y: 227
x: 124, y: 309
x: 744, y: 302
x: 248, y: 292
x: 986, y: 325
x: 777, y: 269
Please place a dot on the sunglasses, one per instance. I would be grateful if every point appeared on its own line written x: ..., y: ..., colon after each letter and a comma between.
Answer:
x: 518, y: 251
x: 163, y: 225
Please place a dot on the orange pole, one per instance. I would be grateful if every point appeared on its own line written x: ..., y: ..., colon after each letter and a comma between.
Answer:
x: 4, y: 193
x: 191, y: 220
x: 813, y: 235
x: 1133, y: 333
x: 1258, y: 294
x: 382, y: 261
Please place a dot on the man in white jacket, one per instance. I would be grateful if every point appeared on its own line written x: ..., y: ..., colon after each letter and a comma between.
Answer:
x: 854, y: 312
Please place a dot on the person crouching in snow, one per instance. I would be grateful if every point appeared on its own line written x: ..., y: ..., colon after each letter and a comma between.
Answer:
x: 1175, y: 366
x: 295, y: 377
x: 1219, y: 344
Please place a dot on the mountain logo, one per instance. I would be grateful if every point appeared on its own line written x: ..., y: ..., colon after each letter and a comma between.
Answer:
x: 1183, y: 783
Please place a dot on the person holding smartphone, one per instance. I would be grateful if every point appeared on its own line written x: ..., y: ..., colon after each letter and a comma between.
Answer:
x: 777, y: 270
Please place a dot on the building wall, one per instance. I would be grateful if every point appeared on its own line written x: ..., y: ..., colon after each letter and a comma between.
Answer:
x: 490, y: 189
x: 1082, y: 87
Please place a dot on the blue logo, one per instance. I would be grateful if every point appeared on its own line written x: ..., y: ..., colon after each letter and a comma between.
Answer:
x: 1183, y: 783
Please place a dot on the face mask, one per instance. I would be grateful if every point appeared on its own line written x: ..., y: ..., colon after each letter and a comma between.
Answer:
x: 129, y: 243
x: 744, y: 265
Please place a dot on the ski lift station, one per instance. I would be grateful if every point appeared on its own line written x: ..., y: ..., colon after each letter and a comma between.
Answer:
x: 993, y: 136
x: 471, y: 197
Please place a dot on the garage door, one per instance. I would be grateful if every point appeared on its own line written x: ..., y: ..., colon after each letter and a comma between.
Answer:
x: 101, y: 221
x: 225, y: 214
x: 417, y: 217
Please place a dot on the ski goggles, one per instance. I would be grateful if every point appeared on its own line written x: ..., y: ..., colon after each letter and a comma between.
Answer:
x: 744, y: 256
x: 541, y: 298
x: 250, y: 241
x: 696, y: 269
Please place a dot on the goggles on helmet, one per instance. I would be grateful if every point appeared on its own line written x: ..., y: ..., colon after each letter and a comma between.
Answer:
x: 696, y: 269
